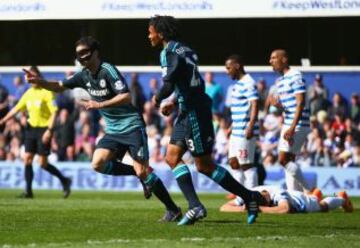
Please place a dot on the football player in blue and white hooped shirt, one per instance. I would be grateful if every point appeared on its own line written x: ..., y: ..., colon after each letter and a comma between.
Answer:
x: 290, y: 97
x: 245, y: 128
x: 279, y: 201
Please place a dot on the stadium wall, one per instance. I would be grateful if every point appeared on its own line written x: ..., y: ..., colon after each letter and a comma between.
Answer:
x: 329, y: 180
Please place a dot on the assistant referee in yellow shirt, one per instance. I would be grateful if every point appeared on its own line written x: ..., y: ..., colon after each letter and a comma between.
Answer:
x: 41, y: 110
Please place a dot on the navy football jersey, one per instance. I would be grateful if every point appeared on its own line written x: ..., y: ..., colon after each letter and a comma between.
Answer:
x: 180, y: 67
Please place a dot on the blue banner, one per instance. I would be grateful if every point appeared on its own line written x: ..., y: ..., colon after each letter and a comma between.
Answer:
x: 329, y: 180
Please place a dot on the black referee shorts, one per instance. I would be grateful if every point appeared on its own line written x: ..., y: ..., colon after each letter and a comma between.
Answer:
x: 33, y: 141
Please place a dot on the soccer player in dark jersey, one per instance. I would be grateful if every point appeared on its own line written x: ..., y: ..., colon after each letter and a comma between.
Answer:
x: 125, y: 128
x: 41, y: 111
x: 193, y: 129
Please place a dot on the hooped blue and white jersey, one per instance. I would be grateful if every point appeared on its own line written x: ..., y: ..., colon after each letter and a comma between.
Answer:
x: 287, y: 86
x: 297, y: 200
x: 244, y: 91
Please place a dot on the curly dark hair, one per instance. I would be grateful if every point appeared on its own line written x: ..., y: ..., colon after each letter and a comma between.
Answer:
x: 166, y: 25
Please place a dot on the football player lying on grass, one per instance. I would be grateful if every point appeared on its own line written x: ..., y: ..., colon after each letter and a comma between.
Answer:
x: 285, y: 201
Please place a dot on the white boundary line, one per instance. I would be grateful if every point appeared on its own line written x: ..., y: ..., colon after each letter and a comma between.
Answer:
x: 98, y: 243
x: 16, y: 69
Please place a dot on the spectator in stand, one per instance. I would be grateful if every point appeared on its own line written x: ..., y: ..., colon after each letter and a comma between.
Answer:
x: 350, y: 129
x: 263, y: 94
x: 15, y: 148
x: 12, y: 129
x: 221, y: 142
x: 4, y: 103
x: 338, y: 124
x: 157, y: 153
x: 65, y: 134
x: 84, y: 119
x: 154, y: 87
x: 338, y: 106
x: 214, y: 91
x: 343, y: 157
x: 356, y: 155
x: 270, y: 133
x: 137, y: 94
x: 151, y: 116
x: 313, y: 142
x: 355, y: 108
x: 227, y: 103
x: 84, y: 144
x: 65, y: 99
x: 20, y: 88
x: 318, y: 95
x: 3, y: 147
x: 2, y: 154
x: 330, y: 148
x: 320, y: 158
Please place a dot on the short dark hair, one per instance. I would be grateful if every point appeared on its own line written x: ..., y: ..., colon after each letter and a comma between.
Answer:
x: 88, y: 41
x: 166, y: 25
x: 237, y: 58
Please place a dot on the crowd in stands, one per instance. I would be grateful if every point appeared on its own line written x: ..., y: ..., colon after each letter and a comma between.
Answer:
x: 334, y: 139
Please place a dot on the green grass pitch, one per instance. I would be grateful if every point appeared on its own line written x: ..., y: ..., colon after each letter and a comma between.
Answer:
x: 117, y: 219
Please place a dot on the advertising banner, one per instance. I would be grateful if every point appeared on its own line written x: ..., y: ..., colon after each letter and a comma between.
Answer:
x: 129, y: 9
x: 329, y: 180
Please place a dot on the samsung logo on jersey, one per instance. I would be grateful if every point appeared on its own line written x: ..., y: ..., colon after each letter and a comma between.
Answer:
x: 103, y: 92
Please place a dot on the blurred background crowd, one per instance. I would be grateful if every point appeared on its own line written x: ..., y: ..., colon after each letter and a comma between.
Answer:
x: 334, y: 140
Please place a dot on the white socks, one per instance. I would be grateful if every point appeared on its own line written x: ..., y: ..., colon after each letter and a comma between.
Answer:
x: 291, y: 183
x: 292, y: 169
x: 334, y: 202
x: 251, y: 178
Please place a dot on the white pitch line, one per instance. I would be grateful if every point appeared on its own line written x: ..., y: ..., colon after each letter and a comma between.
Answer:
x: 184, y: 239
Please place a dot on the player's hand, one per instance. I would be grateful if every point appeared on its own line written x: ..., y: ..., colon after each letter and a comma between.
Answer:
x: 31, y: 77
x: 46, y: 137
x: 289, y: 135
x: 249, y: 133
x: 2, y: 122
x: 155, y: 102
x: 274, y: 101
x: 92, y: 105
x: 167, y: 108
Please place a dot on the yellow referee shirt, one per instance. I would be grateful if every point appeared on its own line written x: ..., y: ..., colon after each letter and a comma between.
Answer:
x: 40, y: 105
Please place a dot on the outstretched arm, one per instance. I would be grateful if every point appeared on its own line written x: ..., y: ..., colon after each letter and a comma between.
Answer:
x: 282, y: 208
x: 232, y: 207
x: 49, y: 85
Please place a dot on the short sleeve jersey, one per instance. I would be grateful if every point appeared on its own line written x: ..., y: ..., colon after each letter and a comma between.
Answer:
x: 287, y: 86
x: 180, y: 67
x: 104, y: 85
x: 297, y: 200
x: 244, y: 91
x: 40, y: 104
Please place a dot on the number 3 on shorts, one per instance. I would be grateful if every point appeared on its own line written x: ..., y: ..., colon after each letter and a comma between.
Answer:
x: 190, y: 144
